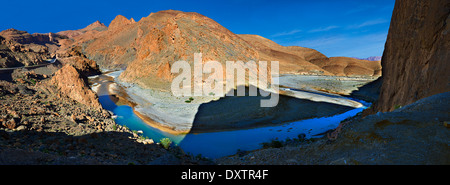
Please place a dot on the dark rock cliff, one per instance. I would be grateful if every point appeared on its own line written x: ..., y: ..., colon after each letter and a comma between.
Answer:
x: 415, y: 60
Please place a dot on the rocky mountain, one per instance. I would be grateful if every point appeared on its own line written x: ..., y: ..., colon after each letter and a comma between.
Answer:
x: 19, y: 48
x: 41, y: 124
x: 300, y: 60
x: 77, y: 59
x: 78, y: 37
x: 24, y: 37
x: 97, y: 26
x: 149, y: 47
x: 41, y: 40
x: 13, y: 54
x: 416, y: 55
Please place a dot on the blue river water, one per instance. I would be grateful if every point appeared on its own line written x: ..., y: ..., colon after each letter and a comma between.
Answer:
x: 223, y: 143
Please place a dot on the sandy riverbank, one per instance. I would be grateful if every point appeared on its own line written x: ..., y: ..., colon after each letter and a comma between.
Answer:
x: 104, y: 85
x: 174, y: 115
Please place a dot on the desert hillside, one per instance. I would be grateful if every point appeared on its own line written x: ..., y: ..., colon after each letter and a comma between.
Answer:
x: 346, y: 66
x: 293, y: 60
x: 300, y: 60
x: 149, y: 47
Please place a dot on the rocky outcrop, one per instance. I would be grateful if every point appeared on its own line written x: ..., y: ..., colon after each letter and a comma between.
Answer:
x: 73, y: 56
x: 74, y: 133
x: 14, y: 54
x: 19, y: 48
x: 24, y: 37
x: 415, y: 60
x: 50, y: 41
x: 74, y: 85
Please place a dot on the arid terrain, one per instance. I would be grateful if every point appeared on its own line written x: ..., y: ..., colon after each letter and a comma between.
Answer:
x: 409, y: 131
x: 44, y: 121
x: 51, y: 113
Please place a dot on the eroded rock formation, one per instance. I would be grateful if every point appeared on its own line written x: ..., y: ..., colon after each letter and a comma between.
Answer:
x: 14, y: 54
x: 74, y: 85
x: 416, y: 56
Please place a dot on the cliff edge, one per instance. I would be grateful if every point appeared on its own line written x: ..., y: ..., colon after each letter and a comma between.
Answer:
x: 415, y: 59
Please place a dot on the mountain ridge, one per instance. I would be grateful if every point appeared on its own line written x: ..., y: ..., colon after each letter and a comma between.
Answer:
x: 146, y: 49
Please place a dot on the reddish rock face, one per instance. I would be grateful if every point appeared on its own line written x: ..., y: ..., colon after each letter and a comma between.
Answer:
x: 149, y: 47
x: 77, y: 59
x: 416, y: 57
x: 162, y: 38
x: 120, y: 21
x: 76, y: 37
x: 71, y: 83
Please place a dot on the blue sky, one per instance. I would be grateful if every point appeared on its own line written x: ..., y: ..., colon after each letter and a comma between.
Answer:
x: 354, y: 28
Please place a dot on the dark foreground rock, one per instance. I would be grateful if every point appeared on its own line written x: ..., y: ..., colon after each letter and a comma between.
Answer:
x: 414, y: 134
x: 42, y: 126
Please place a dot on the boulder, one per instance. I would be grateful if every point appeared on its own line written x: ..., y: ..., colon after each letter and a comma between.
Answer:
x: 71, y: 83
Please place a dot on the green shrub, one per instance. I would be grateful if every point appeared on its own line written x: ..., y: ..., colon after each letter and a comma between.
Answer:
x: 397, y: 107
x: 165, y: 142
x: 33, y: 81
x: 142, y: 137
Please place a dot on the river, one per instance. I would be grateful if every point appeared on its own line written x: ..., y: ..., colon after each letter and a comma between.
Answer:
x: 221, y: 143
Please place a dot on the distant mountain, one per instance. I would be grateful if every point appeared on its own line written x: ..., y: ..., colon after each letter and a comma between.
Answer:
x: 373, y: 58
x: 300, y: 60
